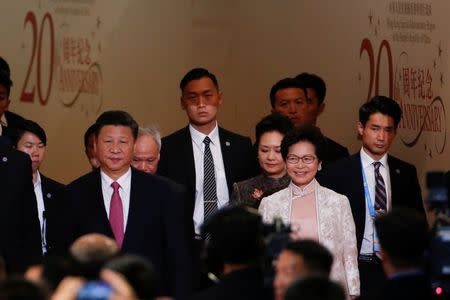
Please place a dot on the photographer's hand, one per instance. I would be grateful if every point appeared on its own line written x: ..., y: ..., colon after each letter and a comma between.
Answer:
x: 68, y: 288
x: 122, y: 289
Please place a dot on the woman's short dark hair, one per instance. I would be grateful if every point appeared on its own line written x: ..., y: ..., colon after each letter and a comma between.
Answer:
x: 304, y: 133
x: 272, y: 122
x: 32, y: 127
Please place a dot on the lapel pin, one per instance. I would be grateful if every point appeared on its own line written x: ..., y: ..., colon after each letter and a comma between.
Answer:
x: 227, y: 143
x: 397, y: 171
x: 49, y: 195
x: 5, y: 159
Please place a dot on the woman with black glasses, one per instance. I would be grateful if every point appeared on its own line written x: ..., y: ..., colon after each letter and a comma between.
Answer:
x: 315, y: 212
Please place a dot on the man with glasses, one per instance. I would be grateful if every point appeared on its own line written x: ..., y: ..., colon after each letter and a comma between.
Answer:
x: 374, y: 182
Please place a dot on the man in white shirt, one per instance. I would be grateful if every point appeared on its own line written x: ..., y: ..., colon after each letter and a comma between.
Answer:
x: 144, y: 214
x: 146, y: 150
x: 374, y: 182
x: 32, y: 140
x: 184, y: 153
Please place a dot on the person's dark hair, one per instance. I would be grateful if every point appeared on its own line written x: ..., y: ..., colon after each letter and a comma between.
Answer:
x: 272, y: 122
x: 195, y: 74
x: 19, y: 289
x: 138, y: 272
x: 314, y: 82
x: 305, y: 133
x: 55, y: 268
x: 383, y: 105
x: 4, y: 67
x: 6, y: 82
x: 235, y: 236
x: 403, y: 236
x: 317, y: 259
x: 116, y: 118
x: 285, y: 83
x: 315, y: 288
x: 32, y: 127
x: 89, y: 132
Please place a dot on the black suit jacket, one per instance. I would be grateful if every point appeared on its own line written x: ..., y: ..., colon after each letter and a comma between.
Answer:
x: 155, y: 226
x: 345, y: 177
x: 52, y: 193
x: 407, y: 286
x: 177, y: 159
x: 244, y: 284
x: 20, y: 242
x: 333, y: 151
x: 14, y: 121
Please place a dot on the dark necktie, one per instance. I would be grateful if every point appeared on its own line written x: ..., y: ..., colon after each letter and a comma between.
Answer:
x: 209, y: 181
x: 116, y: 214
x: 380, y: 190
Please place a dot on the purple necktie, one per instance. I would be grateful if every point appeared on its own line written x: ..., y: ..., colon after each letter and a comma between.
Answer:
x: 380, y: 190
x: 116, y: 214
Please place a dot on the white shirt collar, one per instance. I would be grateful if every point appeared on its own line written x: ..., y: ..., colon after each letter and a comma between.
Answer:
x: 367, y: 160
x: 3, y: 121
x: 198, y: 136
x: 122, y: 180
x: 38, y: 179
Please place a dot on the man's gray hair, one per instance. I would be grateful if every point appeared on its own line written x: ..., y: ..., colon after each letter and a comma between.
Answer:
x: 153, y: 132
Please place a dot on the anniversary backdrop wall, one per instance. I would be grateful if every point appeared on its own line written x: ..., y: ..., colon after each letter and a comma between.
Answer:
x: 73, y: 59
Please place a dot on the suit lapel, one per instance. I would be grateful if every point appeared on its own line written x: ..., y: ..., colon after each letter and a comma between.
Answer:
x: 358, y: 204
x: 394, y: 177
x: 98, y: 205
x: 46, y: 193
x: 135, y: 190
x: 227, y: 156
x: 187, y: 157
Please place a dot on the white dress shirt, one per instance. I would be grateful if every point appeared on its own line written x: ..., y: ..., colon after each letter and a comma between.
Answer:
x: 41, y: 209
x: 369, y: 173
x: 124, y: 191
x: 221, y: 181
x: 3, y: 122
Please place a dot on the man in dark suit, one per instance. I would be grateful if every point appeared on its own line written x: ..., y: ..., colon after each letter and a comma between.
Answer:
x: 404, y: 237
x: 374, y: 182
x: 183, y: 152
x: 19, y: 224
x: 301, y: 99
x: 31, y: 139
x: 144, y: 213
x: 8, y: 120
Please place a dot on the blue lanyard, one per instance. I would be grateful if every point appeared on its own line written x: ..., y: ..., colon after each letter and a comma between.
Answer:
x: 367, y: 194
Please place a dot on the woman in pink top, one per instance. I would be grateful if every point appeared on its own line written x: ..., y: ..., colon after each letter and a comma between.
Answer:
x: 313, y: 211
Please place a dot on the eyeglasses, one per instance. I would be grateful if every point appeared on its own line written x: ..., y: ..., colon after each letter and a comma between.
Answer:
x: 294, y: 159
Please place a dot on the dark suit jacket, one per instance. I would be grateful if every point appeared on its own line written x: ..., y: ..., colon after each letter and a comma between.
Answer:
x: 154, y: 230
x: 52, y: 193
x: 407, y: 286
x: 9, y: 133
x: 20, y: 242
x: 334, y: 151
x: 244, y: 284
x: 177, y: 159
x: 345, y: 177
